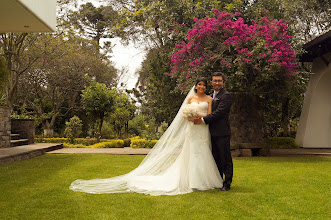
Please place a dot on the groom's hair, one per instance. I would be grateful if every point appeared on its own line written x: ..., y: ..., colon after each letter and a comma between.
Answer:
x: 219, y: 74
x: 200, y: 79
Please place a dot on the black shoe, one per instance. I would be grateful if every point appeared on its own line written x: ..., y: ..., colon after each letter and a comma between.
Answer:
x: 225, y: 188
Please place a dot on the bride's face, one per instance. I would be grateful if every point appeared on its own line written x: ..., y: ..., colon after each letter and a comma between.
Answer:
x: 201, y: 87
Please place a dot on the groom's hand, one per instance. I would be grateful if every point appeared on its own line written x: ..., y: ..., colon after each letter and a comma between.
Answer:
x: 190, y: 119
x: 197, y: 121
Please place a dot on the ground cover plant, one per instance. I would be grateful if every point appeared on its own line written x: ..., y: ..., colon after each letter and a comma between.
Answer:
x: 263, y: 188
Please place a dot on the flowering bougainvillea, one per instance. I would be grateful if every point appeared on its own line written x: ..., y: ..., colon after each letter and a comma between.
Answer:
x: 253, y: 56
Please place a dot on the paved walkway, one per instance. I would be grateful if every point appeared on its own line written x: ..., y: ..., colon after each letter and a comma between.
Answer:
x: 125, y: 150
x: 301, y: 152
x: 12, y: 154
x: 24, y: 152
x: 132, y: 151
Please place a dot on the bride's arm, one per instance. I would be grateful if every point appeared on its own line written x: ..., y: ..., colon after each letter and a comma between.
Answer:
x: 189, y: 100
x: 210, y: 100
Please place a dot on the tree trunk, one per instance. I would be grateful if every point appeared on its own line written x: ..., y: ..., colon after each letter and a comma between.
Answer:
x: 49, y: 127
x: 99, y: 129
x: 48, y: 131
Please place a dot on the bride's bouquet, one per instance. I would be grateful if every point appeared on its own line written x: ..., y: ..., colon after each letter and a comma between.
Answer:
x: 190, y: 111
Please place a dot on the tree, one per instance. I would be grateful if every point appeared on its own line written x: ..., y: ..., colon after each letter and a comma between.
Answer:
x: 166, y: 23
x: 257, y: 59
x: 13, y: 47
x: 95, y: 23
x: 123, y: 113
x: 4, y: 74
x: 154, y: 20
x: 161, y: 98
x: 73, y: 129
x: 98, y: 101
x: 52, y: 88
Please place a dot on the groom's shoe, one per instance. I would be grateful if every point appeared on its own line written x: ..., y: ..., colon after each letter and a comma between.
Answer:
x: 225, y: 188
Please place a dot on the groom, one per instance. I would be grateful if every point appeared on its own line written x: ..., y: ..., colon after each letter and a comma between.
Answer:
x: 219, y: 128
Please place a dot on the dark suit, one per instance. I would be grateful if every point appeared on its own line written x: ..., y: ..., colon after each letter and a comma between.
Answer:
x: 219, y: 128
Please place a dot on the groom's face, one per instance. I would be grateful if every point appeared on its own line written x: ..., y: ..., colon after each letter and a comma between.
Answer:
x: 217, y: 82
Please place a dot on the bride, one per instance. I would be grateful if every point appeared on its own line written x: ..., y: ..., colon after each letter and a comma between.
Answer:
x: 181, y: 161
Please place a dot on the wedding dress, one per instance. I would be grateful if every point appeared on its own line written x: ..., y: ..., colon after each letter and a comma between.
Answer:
x: 181, y: 162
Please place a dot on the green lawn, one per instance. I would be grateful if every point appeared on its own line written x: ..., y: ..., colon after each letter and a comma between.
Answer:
x: 263, y: 188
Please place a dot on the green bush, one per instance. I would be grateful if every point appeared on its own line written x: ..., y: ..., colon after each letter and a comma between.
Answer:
x: 83, y: 141
x: 142, y: 143
x: 152, y: 143
x: 109, y: 144
x: 51, y: 140
x: 138, y: 143
x: 86, y: 141
x: 282, y: 142
x: 127, y: 142
x: 67, y: 145
x: 135, y: 142
x: 73, y: 129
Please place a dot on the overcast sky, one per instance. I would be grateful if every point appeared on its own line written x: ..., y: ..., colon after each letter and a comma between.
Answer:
x: 128, y: 57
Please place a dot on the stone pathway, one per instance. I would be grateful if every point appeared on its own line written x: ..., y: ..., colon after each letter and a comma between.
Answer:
x: 12, y: 154
x: 125, y: 150
x: 301, y: 152
x: 132, y: 151
x: 24, y: 152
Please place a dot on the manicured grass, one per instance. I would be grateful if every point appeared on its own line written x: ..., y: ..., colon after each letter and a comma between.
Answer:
x: 263, y: 188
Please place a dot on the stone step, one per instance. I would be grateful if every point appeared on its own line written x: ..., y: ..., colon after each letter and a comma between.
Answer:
x: 12, y: 154
x: 15, y: 136
x: 19, y: 142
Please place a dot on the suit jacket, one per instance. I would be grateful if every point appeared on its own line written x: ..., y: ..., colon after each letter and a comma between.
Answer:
x: 218, y: 120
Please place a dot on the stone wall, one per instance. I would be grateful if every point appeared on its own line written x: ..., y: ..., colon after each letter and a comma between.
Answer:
x: 25, y: 128
x: 5, y: 127
x: 246, y: 121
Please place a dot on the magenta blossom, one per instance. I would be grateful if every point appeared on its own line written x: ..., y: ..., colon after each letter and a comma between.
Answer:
x: 248, y: 54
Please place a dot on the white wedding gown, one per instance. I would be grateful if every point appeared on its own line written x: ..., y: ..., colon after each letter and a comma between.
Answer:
x: 180, y: 163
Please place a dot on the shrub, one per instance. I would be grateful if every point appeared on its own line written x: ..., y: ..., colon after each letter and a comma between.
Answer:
x: 67, y: 145
x: 109, y: 144
x: 86, y: 141
x: 83, y: 141
x: 127, y: 142
x: 142, y: 143
x: 282, y: 142
x: 51, y: 140
x: 138, y: 143
x: 152, y: 143
x: 73, y: 129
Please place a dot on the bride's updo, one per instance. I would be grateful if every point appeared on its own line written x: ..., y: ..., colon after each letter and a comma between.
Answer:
x: 200, y: 79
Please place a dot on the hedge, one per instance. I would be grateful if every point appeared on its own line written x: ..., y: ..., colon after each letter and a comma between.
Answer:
x: 135, y: 142
x: 83, y: 141
x: 142, y: 143
x: 282, y: 142
x: 107, y: 144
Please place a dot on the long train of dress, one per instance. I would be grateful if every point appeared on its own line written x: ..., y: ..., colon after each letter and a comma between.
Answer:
x: 186, y: 168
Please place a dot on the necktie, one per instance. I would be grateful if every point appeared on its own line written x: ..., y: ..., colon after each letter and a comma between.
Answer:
x: 215, y: 94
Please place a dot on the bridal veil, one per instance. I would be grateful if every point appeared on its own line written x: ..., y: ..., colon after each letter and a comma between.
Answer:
x: 160, y: 158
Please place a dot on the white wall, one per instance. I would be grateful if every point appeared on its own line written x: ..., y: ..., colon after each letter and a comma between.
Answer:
x: 314, y: 130
x: 45, y: 10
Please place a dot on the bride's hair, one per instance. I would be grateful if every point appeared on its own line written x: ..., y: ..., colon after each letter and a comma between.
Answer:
x: 200, y: 79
